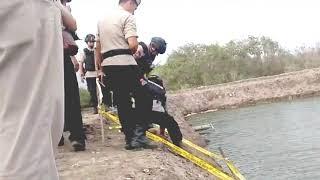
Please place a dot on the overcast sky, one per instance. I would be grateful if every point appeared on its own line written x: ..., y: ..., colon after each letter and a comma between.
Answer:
x: 292, y: 23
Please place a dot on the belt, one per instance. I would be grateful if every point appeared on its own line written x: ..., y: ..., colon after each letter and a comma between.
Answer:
x: 116, y: 52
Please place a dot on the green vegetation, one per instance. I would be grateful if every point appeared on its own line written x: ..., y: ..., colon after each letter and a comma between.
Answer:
x: 200, y: 65
x: 84, y: 98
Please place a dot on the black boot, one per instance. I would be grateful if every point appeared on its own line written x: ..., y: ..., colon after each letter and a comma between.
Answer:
x: 78, y: 145
x: 130, y: 145
x: 140, y: 140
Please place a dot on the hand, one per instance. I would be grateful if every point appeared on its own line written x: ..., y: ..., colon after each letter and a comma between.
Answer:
x: 76, y: 67
x: 100, y: 75
x: 139, y: 53
x: 82, y: 77
x: 75, y: 63
x: 136, y: 55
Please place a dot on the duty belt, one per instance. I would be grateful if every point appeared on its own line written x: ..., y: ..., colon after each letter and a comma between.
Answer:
x: 116, y: 52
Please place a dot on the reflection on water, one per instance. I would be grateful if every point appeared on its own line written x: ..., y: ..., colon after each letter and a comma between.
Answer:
x: 269, y: 141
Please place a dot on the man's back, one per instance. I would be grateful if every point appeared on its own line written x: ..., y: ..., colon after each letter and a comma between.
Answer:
x: 113, y: 31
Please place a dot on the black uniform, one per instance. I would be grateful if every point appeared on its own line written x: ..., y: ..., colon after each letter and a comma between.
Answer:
x: 145, y: 62
x: 91, y: 81
x: 158, y: 113
x: 155, y: 98
x: 124, y: 81
x: 73, y: 117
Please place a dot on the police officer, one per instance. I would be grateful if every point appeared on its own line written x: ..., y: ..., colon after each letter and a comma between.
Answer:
x: 117, y: 42
x: 156, y: 99
x: 88, y: 71
x: 146, y: 54
x: 73, y: 118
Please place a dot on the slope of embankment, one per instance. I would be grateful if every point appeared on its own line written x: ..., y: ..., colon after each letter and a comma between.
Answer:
x: 242, y: 93
x: 109, y: 160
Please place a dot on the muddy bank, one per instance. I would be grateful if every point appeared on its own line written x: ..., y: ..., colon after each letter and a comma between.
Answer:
x: 242, y: 93
x: 110, y: 161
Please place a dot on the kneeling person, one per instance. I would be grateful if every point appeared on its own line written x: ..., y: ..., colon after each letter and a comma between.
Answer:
x: 156, y: 94
x: 159, y: 114
x: 146, y: 54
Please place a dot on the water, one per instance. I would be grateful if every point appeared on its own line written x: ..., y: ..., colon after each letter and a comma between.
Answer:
x: 269, y: 141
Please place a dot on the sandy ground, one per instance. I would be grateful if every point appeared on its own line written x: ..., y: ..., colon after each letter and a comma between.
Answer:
x: 109, y: 160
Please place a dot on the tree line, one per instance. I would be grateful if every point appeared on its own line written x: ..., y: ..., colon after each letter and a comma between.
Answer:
x: 194, y: 65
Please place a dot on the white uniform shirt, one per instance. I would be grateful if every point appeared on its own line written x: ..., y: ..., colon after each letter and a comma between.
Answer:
x: 113, y: 31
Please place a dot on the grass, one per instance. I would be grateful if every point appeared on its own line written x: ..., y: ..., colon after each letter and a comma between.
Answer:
x: 84, y: 98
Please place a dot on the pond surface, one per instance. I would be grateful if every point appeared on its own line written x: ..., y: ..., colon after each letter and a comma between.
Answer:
x: 269, y: 141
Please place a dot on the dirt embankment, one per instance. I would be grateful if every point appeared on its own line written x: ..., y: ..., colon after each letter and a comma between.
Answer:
x: 242, y: 93
x: 109, y: 160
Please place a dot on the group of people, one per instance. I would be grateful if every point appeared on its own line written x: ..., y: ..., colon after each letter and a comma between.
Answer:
x: 36, y: 106
x: 125, y: 63
x: 123, y: 66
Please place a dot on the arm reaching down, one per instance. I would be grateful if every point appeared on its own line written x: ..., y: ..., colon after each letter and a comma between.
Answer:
x: 133, y: 44
x: 68, y: 20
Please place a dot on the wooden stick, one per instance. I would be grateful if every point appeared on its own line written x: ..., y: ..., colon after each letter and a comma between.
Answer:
x: 102, y: 128
x: 224, y: 156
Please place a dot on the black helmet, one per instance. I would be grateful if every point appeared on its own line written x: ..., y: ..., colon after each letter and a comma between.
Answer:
x: 161, y: 43
x: 89, y: 37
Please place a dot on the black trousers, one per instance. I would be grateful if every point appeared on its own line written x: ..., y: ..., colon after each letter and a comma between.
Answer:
x: 124, y: 81
x: 165, y: 120
x: 107, y: 98
x: 92, y: 88
x: 73, y: 117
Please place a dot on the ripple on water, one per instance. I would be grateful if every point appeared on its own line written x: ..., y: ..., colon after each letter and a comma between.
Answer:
x: 269, y: 141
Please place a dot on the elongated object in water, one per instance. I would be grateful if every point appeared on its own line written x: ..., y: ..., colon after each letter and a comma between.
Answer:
x: 203, y: 127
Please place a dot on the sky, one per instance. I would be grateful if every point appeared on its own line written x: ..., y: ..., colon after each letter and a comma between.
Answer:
x: 293, y: 23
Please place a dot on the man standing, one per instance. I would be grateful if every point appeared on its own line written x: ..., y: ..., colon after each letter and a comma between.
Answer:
x: 88, y: 71
x: 117, y: 41
x: 73, y: 118
x: 32, y: 107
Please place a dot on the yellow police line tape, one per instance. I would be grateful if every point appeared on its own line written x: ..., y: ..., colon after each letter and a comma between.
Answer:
x: 234, y: 170
x: 115, y: 127
x: 230, y: 165
x: 201, y: 163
